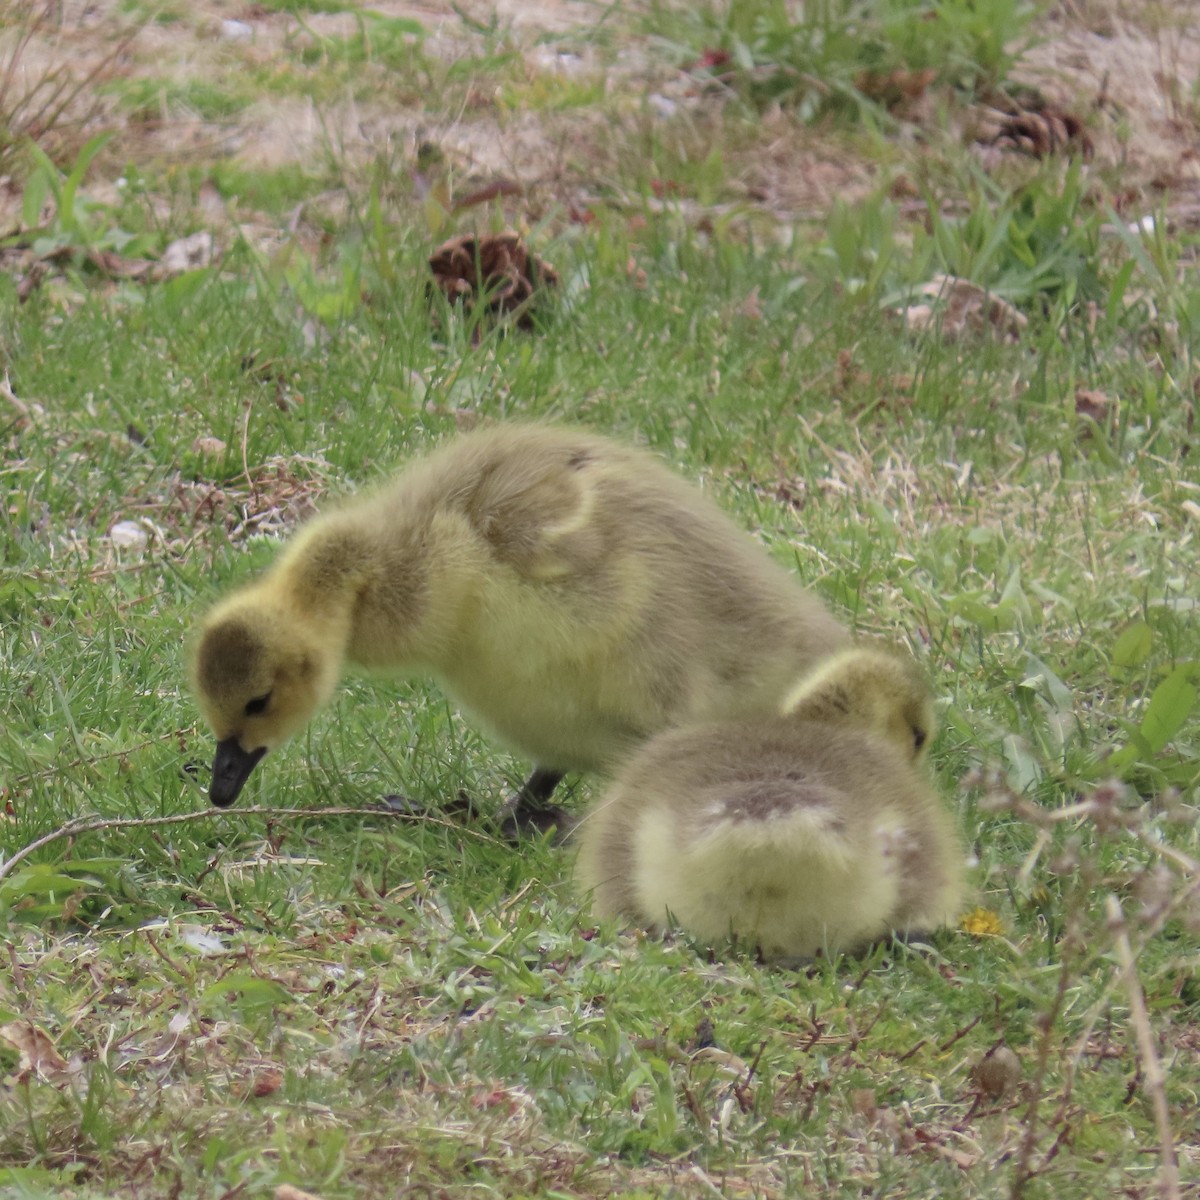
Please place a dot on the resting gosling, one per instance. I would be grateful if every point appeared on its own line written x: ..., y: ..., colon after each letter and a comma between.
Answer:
x: 574, y: 594
x: 815, y: 830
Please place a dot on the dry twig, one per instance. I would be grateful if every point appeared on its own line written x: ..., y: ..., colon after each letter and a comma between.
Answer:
x: 94, y: 824
x: 1152, y: 1072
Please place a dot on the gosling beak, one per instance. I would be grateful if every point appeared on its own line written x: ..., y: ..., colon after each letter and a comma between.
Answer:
x: 231, y: 768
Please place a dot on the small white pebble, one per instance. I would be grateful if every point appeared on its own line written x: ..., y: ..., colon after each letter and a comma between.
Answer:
x: 128, y: 535
x: 562, y: 62
x: 236, y: 30
x: 202, y: 940
x: 663, y: 106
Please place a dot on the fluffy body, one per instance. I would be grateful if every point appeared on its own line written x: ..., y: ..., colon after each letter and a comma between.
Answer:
x: 573, y: 594
x: 815, y: 830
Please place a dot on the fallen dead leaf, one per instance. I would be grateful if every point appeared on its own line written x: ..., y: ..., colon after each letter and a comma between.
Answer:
x: 266, y: 1082
x: 1096, y: 405
x: 959, y: 306
x: 186, y: 254
x: 938, y: 1140
x: 211, y: 203
x: 751, y: 307
x: 864, y: 1102
x: 285, y: 1191
x: 29, y: 280
x: 38, y: 1054
x: 29, y: 268
x: 117, y: 266
x: 848, y: 376
x: 491, y: 191
x: 497, y: 1097
x: 891, y: 88
x: 962, y: 1159
x: 208, y: 445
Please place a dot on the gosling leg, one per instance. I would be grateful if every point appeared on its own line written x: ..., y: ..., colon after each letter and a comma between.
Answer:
x: 530, y: 810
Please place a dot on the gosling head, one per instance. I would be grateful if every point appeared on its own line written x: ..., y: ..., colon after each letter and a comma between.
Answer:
x: 259, y: 676
x: 867, y: 687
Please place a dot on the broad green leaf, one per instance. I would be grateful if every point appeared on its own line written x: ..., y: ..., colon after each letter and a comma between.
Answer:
x: 991, y: 618
x: 49, y: 172
x: 37, y: 188
x: 186, y: 284
x: 1025, y: 772
x: 66, y: 204
x: 1133, y: 645
x: 37, y: 882
x: 248, y: 990
x: 92, y: 866
x: 1039, y: 676
x: 278, y: 265
x: 1171, y: 703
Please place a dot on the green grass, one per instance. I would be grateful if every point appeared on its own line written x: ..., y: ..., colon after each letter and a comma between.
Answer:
x: 840, y: 56
x: 310, y: 6
x: 162, y: 12
x: 388, y: 42
x: 150, y: 99
x: 345, y: 1002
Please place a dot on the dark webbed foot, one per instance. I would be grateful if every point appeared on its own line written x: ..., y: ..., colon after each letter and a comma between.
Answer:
x: 403, y: 806
x: 530, y: 813
x: 461, y: 809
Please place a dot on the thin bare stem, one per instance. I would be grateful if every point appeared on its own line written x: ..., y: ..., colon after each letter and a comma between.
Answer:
x: 1024, y: 1171
x: 94, y: 824
x: 1152, y: 1072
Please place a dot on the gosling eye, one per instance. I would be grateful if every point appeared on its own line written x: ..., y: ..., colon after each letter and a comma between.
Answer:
x: 919, y: 736
x: 257, y: 705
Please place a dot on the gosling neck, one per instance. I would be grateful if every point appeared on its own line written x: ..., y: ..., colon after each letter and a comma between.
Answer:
x: 323, y: 575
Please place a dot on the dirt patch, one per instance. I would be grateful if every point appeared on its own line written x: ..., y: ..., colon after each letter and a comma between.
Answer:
x: 1131, y: 78
x: 1140, y: 84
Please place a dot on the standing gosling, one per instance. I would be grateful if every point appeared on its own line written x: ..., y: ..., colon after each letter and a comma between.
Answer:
x: 816, y: 830
x: 574, y: 594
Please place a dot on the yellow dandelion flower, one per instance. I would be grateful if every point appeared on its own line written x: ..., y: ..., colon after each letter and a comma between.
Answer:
x: 982, y: 922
